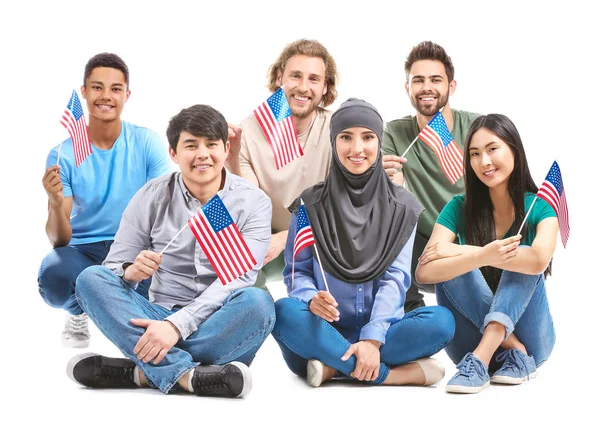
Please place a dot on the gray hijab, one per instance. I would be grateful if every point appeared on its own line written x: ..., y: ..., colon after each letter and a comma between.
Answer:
x: 360, y: 222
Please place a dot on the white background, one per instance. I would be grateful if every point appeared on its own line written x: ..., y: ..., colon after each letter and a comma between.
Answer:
x: 536, y: 64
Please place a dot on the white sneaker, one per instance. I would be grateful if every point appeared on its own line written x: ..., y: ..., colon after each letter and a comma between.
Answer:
x: 76, y: 333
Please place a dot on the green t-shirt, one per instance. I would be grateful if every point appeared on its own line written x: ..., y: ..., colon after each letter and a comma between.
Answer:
x: 423, y: 173
x: 453, y: 218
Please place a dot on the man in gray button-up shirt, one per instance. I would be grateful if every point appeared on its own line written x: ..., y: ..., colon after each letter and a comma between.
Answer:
x: 191, y: 317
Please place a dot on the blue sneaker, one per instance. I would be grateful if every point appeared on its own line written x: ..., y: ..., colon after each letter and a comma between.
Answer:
x: 516, y: 368
x: 472, y: 376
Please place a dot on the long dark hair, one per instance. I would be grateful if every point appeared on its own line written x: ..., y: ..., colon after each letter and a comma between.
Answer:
x: 479, y: 211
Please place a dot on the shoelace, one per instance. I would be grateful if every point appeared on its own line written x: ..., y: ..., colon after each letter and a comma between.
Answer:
x: 513, y: 360
x: 212, y: 381
x: 78, y: 323
x: 469, y: 365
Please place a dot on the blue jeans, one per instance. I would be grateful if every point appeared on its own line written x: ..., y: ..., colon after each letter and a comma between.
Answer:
x: 61, y: 267
x: 520, y: 305
x: 233, y: 333
x: 301, y: 335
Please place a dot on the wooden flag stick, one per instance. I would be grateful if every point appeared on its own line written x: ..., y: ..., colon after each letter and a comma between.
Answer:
x: 528, y: 211
x: 173, y: 239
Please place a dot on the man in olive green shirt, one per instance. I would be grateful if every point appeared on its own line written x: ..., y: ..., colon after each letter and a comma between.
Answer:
x: 429, y: 84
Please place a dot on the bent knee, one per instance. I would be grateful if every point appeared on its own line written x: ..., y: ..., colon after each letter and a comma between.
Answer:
x: 92, y: 280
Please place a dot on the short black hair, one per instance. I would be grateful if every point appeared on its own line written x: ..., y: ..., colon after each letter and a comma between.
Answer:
x: 107, y: 60
x: 200, y: 121
x: 428, y: 50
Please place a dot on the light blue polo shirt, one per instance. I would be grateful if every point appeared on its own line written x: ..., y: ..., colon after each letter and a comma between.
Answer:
x: 104, y: 183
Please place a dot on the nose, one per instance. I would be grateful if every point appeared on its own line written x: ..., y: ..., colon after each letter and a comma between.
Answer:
x: 202, y: 151
x: 303, y: 86
x: 357, y: 146
x: 106, y: 92
x: 485, y: 159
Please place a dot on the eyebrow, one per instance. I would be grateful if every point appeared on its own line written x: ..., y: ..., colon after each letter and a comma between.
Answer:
x: 430, y: 76
x: 101, y: 83
x: 488, y: 144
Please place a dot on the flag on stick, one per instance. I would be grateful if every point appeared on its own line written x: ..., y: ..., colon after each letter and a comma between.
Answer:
x: 221, y: 241
x: 553, y: 191
x: 304, y: 236
x: 275, y: 119
x: 439, y: 138
x: 73, y: 120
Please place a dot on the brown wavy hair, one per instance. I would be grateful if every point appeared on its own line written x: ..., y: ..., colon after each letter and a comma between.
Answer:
x: 310, y: 48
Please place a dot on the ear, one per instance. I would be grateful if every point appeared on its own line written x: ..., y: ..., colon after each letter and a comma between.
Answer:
x: 278, y: 79
x: 83, y: 92
x: 406, y: 88
x: 127, y: 94
x: 173, y: 155
x: 451, y: 87
x: 325, y: 89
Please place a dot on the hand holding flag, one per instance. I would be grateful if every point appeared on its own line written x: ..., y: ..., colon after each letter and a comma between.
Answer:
x: 275, y: 119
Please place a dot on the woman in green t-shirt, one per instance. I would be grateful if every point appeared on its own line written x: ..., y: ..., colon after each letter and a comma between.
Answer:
x: 491, y: 280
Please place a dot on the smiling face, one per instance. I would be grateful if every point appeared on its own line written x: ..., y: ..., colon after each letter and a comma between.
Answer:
x: 357, y: 149
x: 491, y: 158
x: 428, y: 87
x: 304, y: 80
x: 106, y: 93
x: 201, y: 162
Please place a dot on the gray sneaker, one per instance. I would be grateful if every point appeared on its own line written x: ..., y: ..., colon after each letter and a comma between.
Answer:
x: 76, y: 333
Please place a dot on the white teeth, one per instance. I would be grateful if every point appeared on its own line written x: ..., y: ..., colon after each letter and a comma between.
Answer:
x: 427, y: 99
x: 301, y: 98
x: 201, y: 167
x: 356, y: 159
x: 491, y: 172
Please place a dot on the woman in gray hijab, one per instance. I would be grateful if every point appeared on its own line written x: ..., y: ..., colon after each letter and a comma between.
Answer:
x: 345, y: 312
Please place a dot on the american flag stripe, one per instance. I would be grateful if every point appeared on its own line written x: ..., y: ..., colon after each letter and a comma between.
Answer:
x: 451, y: 158
x: 549, y: 193
x: 275, y: 120
x: 303, y: 239
x: 226, y: 250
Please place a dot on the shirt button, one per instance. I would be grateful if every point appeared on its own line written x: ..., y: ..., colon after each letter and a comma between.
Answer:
x: 359, y: 288
x: 360, y: 310
x: 197, y: 279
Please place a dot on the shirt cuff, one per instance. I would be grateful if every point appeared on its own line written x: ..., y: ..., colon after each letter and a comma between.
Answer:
x: 373, y: 332
x: 182, y: 322
x: 304, y: 294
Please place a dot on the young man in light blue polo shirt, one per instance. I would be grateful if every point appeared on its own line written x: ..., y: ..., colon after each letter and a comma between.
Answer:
x: 85, y: 203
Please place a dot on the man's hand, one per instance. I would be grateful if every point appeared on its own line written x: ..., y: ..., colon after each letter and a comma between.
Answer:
x: 157, y: 341
x: 53, y: 185
x: 145, y: 265
x: 276, y: 246
x: 324, y: 305
x: 367, y: 359
x: 234, y: 138
x: 391, y: 164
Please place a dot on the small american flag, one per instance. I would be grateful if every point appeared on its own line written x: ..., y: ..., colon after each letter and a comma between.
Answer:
x: 275, y: 119
x: 221, y: 241
x: 304, y: 236
x: 439, y: 138
x: 553, y: 191
x: 74, y: 121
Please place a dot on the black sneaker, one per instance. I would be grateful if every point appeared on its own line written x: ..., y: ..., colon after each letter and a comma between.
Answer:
x: 230, y: 380
x: 97, y: 371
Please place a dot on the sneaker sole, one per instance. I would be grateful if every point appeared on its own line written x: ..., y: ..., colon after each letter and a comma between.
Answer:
x: 247, y: 378
x: 77, y: 344
x: 507, y: 380
x: 466, y: 389
x: 314, y: 373
x: 74, y: 361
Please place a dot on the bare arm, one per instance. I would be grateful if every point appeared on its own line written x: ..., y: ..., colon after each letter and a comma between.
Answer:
x: 535, y: 259
x: 58, y: 224
x: 458, y: 260
x: 237, y: 161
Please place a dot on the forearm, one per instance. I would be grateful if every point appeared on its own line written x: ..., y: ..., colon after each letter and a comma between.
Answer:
x: 233, y: 164
x: 527, y: 261
x: 58, y: 226
x: 445, y: 269
x: 398, y: 178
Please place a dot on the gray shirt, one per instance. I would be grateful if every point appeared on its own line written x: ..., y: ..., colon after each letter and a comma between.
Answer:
x: 185, y: 277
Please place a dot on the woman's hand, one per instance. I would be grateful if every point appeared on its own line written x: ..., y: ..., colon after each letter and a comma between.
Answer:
x: 324, y: 305
x: 367, y: 359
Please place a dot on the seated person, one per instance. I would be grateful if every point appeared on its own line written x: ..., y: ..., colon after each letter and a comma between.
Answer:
x: 493, y: 279
x: 194, y: 332
x: 364, y: 226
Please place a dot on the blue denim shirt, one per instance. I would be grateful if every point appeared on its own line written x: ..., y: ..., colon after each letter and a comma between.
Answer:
x: 366, y: 310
